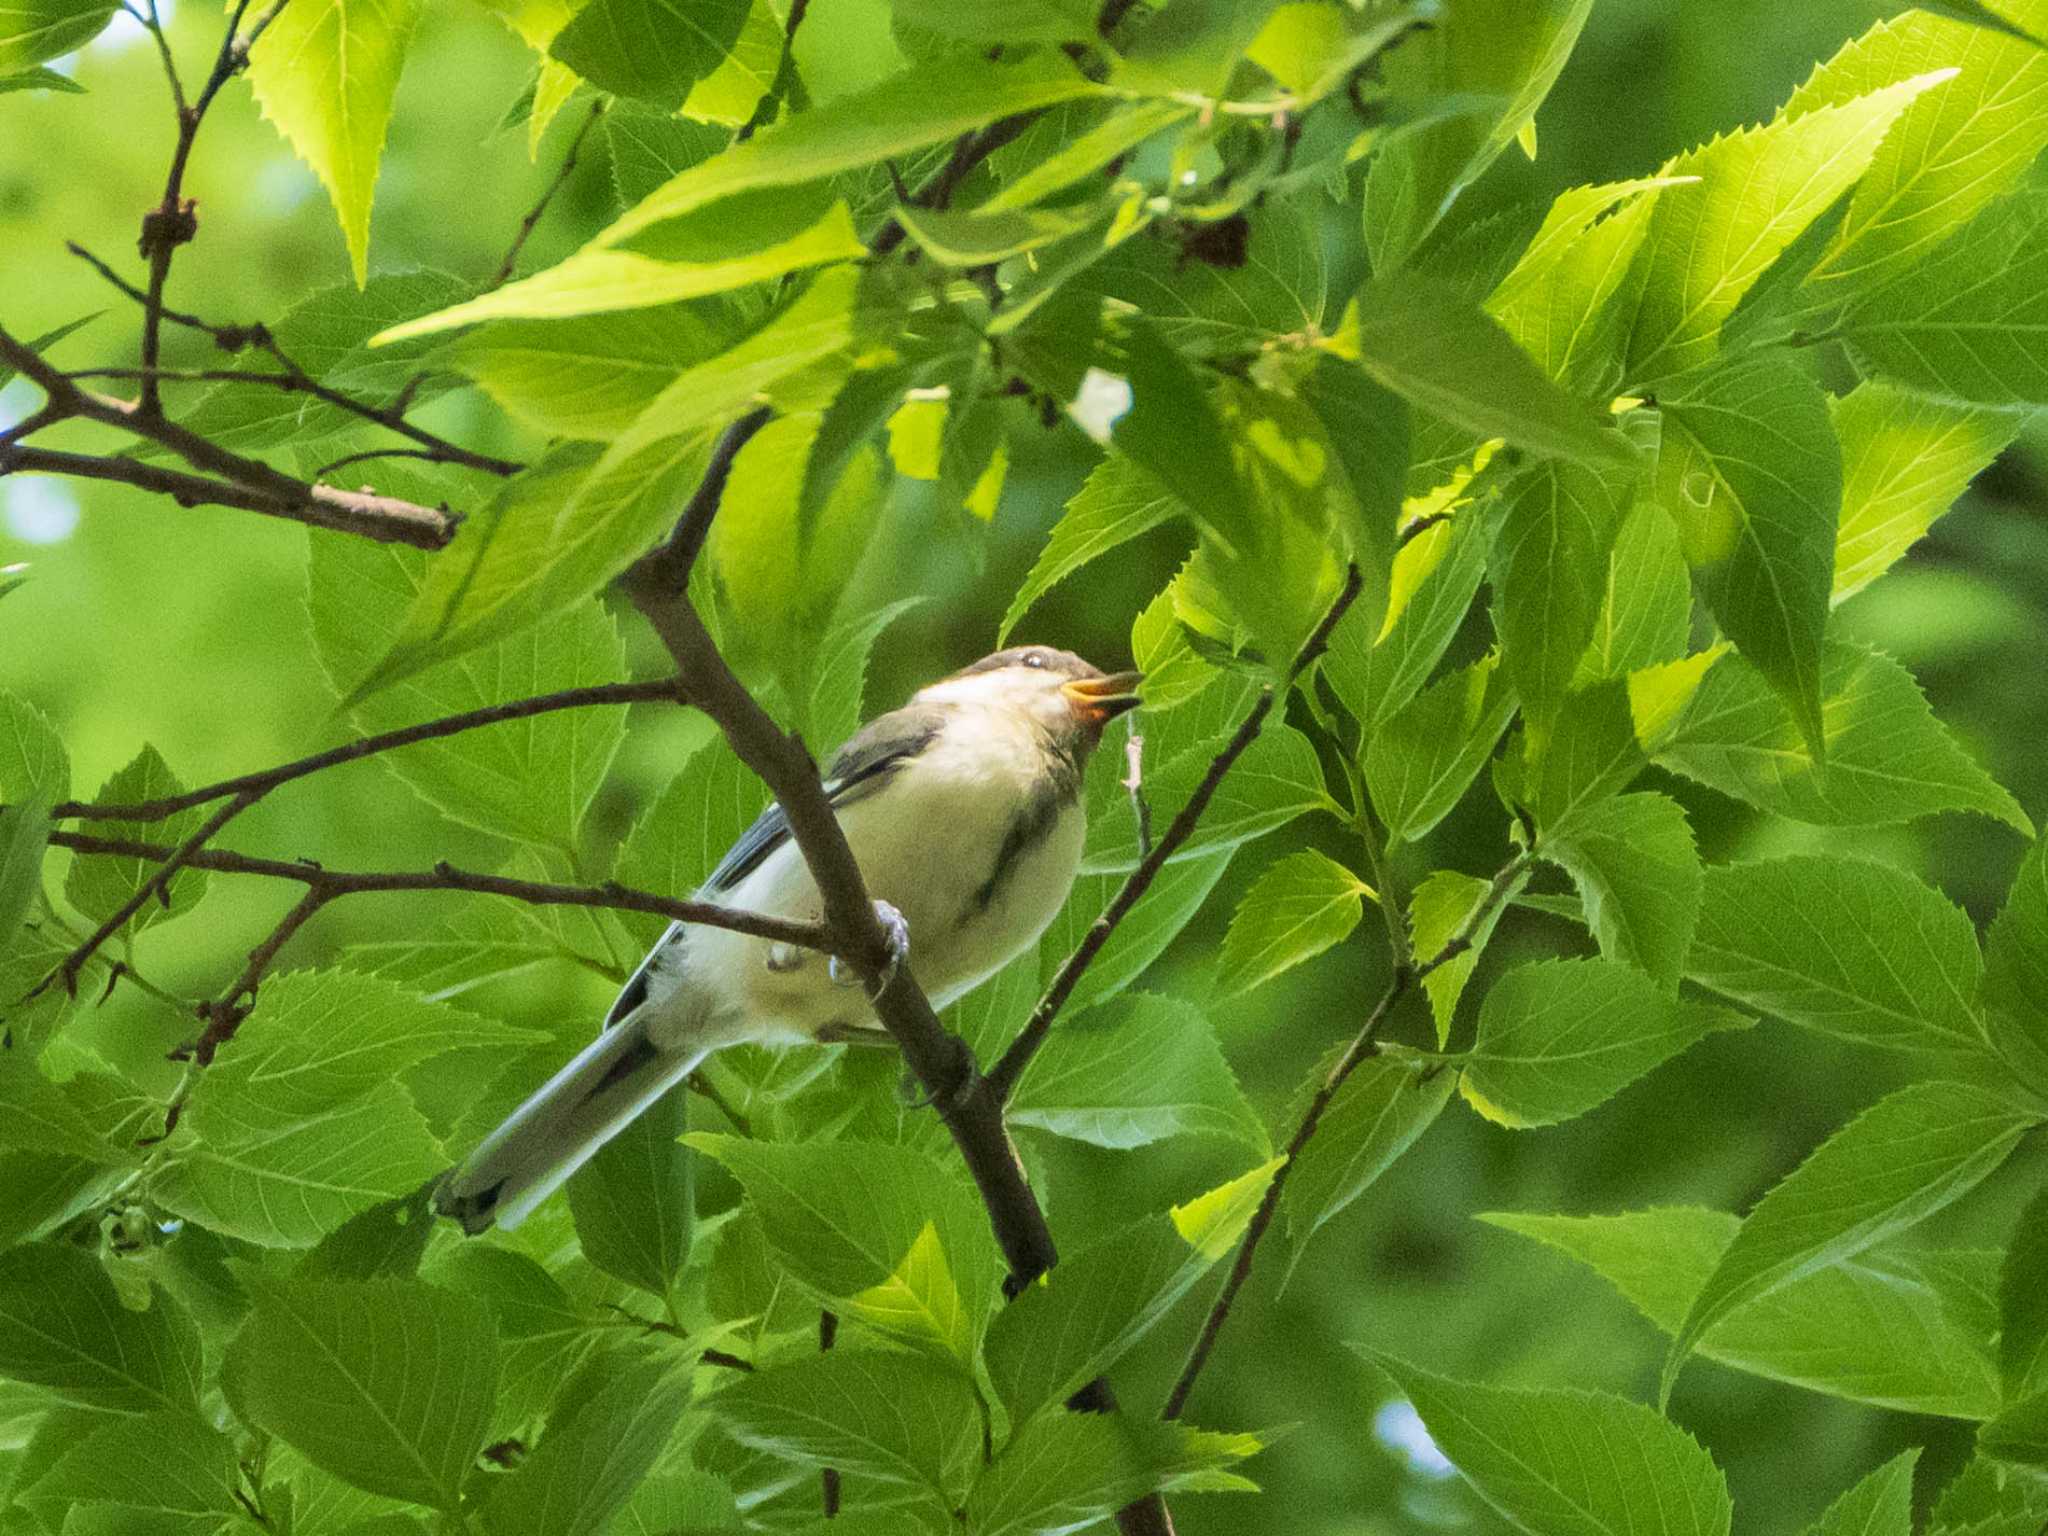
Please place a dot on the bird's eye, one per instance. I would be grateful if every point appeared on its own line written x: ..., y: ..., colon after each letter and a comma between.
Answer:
x: 1034, y: 659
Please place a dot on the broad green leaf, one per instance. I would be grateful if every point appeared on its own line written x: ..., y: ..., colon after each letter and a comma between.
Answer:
x: 63, y: 1328
x: 527, y: 780
x: 1437, y: 911
x: 326, y: 74
x: 839, y: 673
x: 652, y: 50
x: 1299, y: 907
x: 543, y: 1335
x: 1751, y: 471
x: 1951, y: 152
x: 842, y: 1215
x: 1422, y: 340
x: 1120, y: 500
x: 1889, y: 1330
x: 287, y: 1185
x: 1560, y: 1037
x: 688, y: 829
x: 319, y: 1039
x: 34, y: 30
x: 328, y: 333
x: 1758, y: 189
x: 1066, y: 1471
x: 36, y: 78
x: 894, y: 1417
x: 388, y: 1239
x: 562, y: 530
x: 1638, y: 874
x: 1645, y: 600
x: 165, y: 1471
x: 1570, y: 305
x: 387, y: 1384
x: 1032, y: 21
x: 1376, y: 668
x: 595, y: 1452
x: 1381, y: 1110
x: 1888, y: 758
x: 2016, y: 948
x: 1905, y: 459
x: 1169, y: 905
x: 468, y: 948
x: 1421, y: 761
x: 920, y: 1302
x: 1967, y: 323
x: 2023, y: 1304
x: 1194, y: 50
x: 1985, y: 1499
x: 1590, y: 753
x: 1078, y: 1319
x: 2020, y: 1434
x: 1570, y: 1463
x: 1894, y: 1165
x: 635, y: 1200
x: 1371, y: 435
x: 1123, y: 130
x: 976, y: 239
x: 589, y: 376
x: 1551, y: 561
x: 1858, y: 950
x: 33, y: 763
x: 1977, y: 14
x: 1133, y: 1072
x: 24, y: 835
x: 99, y: 886
x: 38, y: 1115
x: 1506, y: 53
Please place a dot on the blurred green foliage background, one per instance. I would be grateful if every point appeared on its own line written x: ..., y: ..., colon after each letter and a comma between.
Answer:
x: 187, y: 629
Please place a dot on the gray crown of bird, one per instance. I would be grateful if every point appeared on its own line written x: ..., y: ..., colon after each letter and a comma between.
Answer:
x: 963, y: 810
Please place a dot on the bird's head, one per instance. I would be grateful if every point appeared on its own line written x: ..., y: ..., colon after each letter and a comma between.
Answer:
x: 1064, y: 695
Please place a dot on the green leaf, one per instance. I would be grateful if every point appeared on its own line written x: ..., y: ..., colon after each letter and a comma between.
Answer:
x: 34, y: 30
x: 1645, y: 601
x: 1951, y: 152
x: 100, y: 885
x: 1299, y: 907
x: 1638, y: 873
x: 465, y: 950
x: 1894, y: 1165
x: 165, y: 1471
x: 1751, y: 471
x: 1133, y: 1072
x: 1905, y: 459
x: 1423, y: 340
x: 1277, y: 778
x: 1504, y: 53
x: 1560, y: 1037
x: 634, y: 1202
x: 64, y: 1328
x: 1888, y: 758
x: 1032, y: 21
x: 1436, y: 911
x: 1381, y: 1110
x: 1080, y: 1318
x: 1571, y: 298
x: 1376, y: 667
x: 33, y: 763
x: 388, y: 1239
x: 326, y: 74
x: 1853, y: 949
x: 1193, y: 52
x: 1120, y: 500
x: 543, y: 1335
x: 2023, y: 1304
x: 24, y: 835
x: 1967, y: 323
x: 954, y: 239
x: 1550, y: 564
x: 1419, y: 764
x: 840, y: 673
x: 288, y: 1185
x: 1169, y: 906
x: 387, y: 1384
x: 2016, y: 948
x: 1896, y: 1331
x: 1570, y: 1463
x: 893, y: 1417
x: 38, y: 1115
x: 597, y: 1450
x: 1065, y: 1471
x: 688, y: 829
x: 1759, y: 189
x: 589, y: 376
x: 842, y: 1215
x: 652, y: 50
x: 48, y: 339
x: 37, y: 78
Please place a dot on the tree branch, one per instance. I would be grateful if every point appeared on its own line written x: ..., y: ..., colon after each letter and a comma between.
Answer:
x: 937, y: 190
x: 1009, y: 1069
x: 1364, y: 1045
x: 539, y: 210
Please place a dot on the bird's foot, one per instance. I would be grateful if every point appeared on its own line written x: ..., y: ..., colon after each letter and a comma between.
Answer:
x: 896, y: 929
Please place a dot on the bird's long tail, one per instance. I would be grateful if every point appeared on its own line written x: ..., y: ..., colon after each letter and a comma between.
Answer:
x: 561, y: 1126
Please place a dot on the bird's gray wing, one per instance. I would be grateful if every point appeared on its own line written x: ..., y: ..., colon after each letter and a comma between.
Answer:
x: 859, y: 768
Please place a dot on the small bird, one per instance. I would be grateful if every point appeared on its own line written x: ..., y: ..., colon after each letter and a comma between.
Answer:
x: 963, y: 810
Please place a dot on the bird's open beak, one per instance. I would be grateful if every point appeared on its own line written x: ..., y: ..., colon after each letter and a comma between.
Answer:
x: 1099, y: 700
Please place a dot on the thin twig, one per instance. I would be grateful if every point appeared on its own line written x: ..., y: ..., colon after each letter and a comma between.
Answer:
x: 369, y: 746
x: 1364, y: 1045
x: 1004, y: 1076
x: 785, y: 76
x: 539, y: 210
x: 666, y: 568
x: 937, y: 190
